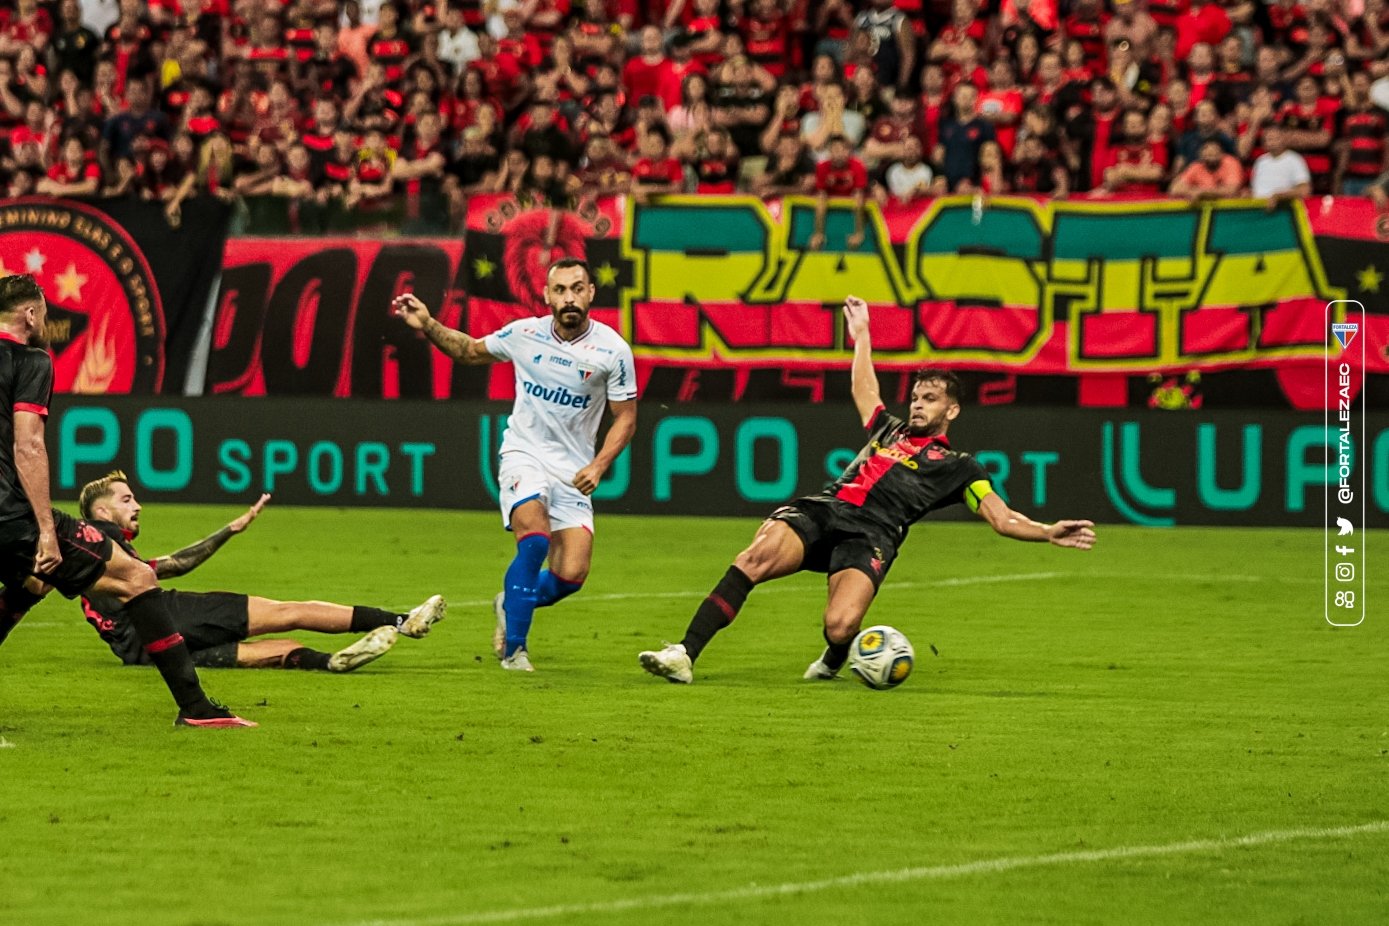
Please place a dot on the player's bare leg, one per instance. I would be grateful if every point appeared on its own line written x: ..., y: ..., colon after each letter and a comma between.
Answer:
x: 571, y: 554
x: 530, y: 522
x: 851, y: 593
x: 775, y: 551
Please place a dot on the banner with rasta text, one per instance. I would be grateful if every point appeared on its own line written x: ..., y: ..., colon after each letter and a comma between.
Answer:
x: 1150, y: 302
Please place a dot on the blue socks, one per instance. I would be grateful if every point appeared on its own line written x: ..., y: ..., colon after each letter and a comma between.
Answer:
x: 551, y: 588
x: 528, y: 587
x: 522, y: 577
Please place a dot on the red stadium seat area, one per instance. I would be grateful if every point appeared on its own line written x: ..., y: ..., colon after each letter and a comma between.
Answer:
x: 328, y: 116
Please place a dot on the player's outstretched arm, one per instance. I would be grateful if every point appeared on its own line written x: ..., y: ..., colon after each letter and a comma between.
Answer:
x: 181, y: 562
x: 624, y: 427
x: 456, y: 344
x: 1018, y: 526
x: 863, y: 382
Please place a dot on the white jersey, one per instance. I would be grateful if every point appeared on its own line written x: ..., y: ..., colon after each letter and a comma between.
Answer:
x: 561, y: 389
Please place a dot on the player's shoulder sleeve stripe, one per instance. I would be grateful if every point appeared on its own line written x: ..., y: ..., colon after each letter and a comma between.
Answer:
x: 976, y: 492
x: 875, y: 417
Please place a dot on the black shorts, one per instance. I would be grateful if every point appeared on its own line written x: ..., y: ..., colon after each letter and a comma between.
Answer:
x: 209, y: 619
x: 85, y: 551
x: 837, y: 537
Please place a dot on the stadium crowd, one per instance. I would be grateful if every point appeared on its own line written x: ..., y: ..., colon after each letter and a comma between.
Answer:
x: 333, y: 111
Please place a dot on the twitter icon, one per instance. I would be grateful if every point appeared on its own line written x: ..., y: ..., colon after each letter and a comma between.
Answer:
x: 1345, y: 526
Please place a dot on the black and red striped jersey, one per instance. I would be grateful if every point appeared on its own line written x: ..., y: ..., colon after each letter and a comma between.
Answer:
x: 897, y: 478
x: 26, y: 385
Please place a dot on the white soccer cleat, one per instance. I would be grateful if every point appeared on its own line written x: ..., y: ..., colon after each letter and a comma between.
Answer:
x: 424, y: 616
x: 368, y: 649
x: 499, y: 631
x: 518, y: 662
x: 671, y: 663
x: 818, y: 671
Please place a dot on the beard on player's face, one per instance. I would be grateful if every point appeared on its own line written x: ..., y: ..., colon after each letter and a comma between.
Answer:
x: 569, y: 316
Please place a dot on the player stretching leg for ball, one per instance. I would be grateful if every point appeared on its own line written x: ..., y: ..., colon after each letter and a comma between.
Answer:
x: 852, y: 530
x: 216, y: 624
x: 568, y: 366
x: 42, y: 548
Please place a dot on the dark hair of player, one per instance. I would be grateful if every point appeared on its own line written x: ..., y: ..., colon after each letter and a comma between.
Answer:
x: 18, y: 290
x: 564, y: 263
x: 96, y: 490
x: 953, y: 387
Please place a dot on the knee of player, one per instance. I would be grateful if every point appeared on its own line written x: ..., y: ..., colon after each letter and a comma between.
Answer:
x: 841, y: 627
x: 753, y: 563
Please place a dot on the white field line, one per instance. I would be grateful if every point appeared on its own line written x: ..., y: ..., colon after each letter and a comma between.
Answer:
x: 754, y: 892
x: 953, y: 582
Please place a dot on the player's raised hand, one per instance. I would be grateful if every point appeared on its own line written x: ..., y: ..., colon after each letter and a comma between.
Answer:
x: 243, y: 522
x: 1077, y: 534
x: 411, y: 310
x: 856, y: 316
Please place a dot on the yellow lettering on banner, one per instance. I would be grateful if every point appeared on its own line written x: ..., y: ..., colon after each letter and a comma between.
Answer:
x: 1033, y: 262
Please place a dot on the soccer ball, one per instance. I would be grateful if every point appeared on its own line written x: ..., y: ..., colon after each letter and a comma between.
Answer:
x: 881, y: 657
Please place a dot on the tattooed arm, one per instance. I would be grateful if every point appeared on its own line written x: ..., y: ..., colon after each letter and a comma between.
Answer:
x: 184, y: 561
x: 456, y: 344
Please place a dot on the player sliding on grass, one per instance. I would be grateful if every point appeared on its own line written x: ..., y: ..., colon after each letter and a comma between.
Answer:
x: 216, y: 625
x: 853, y: 529
x: 568, y: 367
x: 42, y: 548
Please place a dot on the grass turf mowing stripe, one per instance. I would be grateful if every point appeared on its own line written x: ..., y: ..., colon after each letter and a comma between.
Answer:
x: 930, y: 873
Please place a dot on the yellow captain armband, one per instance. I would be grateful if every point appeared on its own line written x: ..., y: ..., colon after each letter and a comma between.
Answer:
x: 976, y: 492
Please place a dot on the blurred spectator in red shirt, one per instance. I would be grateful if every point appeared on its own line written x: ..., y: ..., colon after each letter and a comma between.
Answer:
x: 715, y: 163
x: 645, y: 73
x: 1361, y: 130
x: 656, y: 172
x: 889, y: 134
x: 1135, y: 163
x: 767, y: 36
x: 839, y: 175
x: 28, y: 25
x: 1002, y: 105
x: 1310, y: 119
x: 76, y: 173
x: 1203, y: 22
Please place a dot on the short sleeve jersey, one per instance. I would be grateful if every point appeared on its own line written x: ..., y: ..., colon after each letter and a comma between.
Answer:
x: 26, y: 385
x: 561, y: 389
x: 897, y: 478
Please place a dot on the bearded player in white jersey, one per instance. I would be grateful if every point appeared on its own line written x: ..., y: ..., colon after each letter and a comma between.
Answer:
x: 568, y: 366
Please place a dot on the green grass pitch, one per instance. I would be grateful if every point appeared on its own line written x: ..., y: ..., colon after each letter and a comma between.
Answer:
x: 1097, y: 733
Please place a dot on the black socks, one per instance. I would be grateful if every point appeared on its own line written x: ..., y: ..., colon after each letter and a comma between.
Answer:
x: 365, y: 618
x: 153, y: 621
x: 835, y: 653
x: 305, y: 658
x: 717, y: 610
